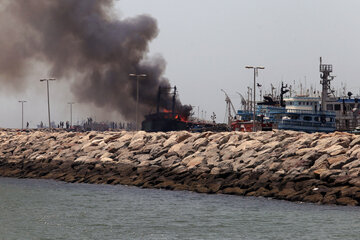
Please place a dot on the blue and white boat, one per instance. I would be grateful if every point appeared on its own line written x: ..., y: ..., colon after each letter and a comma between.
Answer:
x: 302, y: 114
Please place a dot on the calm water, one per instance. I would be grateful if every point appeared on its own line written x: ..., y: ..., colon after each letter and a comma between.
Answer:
x: 42, y: 209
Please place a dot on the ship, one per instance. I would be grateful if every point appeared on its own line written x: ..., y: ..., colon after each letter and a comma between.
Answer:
x: 302, y: 113
x: 298, y: 113
x: 346, y: 107
x: 165, y: 120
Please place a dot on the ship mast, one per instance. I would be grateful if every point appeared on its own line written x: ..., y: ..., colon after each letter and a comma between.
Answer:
x: 325, y: 70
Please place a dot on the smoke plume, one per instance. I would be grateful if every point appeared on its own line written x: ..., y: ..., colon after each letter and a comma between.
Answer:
x: 84, y: 41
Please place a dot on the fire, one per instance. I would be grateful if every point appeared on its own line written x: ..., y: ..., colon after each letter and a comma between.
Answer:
x: 181, y: 118
x: 177, y: 116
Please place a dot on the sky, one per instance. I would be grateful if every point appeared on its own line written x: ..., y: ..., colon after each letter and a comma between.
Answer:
x: 208, y: 43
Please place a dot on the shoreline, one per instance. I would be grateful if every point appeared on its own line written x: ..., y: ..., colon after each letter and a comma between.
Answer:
x: 319, y: 168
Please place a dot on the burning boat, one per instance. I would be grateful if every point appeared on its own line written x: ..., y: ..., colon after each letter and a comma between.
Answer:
x: 163, y: 122
x: 177, y: 119
x: 167, y: 120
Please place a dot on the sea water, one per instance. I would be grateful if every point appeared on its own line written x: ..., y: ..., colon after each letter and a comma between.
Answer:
x: 46, y: 209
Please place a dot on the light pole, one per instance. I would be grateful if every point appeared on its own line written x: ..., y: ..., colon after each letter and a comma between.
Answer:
x: 22, y: 113
x: 47, y: 86
x: 198, y: 113
x: 138, y: 76
x: 255, y: 73
x: 71, y: 103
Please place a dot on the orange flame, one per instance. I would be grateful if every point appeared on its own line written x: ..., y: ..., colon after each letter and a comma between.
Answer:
x: 177, y: 116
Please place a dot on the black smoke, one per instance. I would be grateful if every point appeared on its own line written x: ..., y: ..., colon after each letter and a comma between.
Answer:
x: 84, y: 41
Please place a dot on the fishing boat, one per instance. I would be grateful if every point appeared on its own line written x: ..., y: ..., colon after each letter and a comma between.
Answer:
x: 302, y: 114
x: 298, y: 113
x: 244, y: 123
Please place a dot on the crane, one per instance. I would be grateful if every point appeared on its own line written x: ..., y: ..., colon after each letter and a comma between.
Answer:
x: 243, y: 101
x: 229, y: 107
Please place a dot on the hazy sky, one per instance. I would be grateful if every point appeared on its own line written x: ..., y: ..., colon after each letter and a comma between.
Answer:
x: 207, y: 45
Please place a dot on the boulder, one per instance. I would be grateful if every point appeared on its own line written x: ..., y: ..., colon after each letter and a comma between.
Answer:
x: 354, y: 142
x: 324, y: 175
x: 354, y: 151
x: 114, y: 146
x: 215, y: 171
x: 347, y: 201
x: 315, y: 198
x: 182, y: 136
x: 112, y: 138
x: 329, y: 199
x: 250, y: 144
x: 355, y: 182
x: 182, y: 149
x: 136, y: 144
x: 354, y: 172
x: 106, y: 159
x: 339, y: 161
x: 234, y: 191
x: 321, y: 163
x: 172, y: 140
x: 195, y: 161
x: 200, y: 142
x: 335, y: 150
x: 351, y: 165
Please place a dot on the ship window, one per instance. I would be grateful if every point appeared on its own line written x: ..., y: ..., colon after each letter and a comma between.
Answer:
x: 316, y: 119
x: 307, y: 118
x: 329, y: 119
x: 294, y: 116
x: 323, y: 119
x: 329, y: 107
x: 337, y: 107
x: 307, y: 103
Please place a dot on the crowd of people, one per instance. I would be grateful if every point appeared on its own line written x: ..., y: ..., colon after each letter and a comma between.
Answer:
x: 90, y: 125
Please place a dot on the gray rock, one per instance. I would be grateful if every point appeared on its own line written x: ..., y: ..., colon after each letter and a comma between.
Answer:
x: 339, y: 164
x: 354, y: 142
x: 200, y: 142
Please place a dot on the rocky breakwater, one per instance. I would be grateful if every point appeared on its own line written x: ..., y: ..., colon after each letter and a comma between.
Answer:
x: 320, y: 168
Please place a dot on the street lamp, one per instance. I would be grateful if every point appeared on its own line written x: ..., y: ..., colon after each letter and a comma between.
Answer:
x: 138, y: 76
x: 71, y: 103
x: 47, y: 86
x: 255, y: 73
x: 22, y: 113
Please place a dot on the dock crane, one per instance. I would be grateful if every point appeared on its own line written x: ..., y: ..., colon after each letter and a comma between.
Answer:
x: 229, y: 107
x: 243, y: 101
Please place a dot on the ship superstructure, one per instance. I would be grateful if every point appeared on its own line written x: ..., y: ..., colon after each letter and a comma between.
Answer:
x: 346, y: 108
x: 302, y: 114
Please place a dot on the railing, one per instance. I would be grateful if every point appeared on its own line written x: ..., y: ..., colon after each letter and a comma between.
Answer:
x: 348, y: 114
x: 327, y: 113
x: 289, y: 122
x: 325, y: 68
